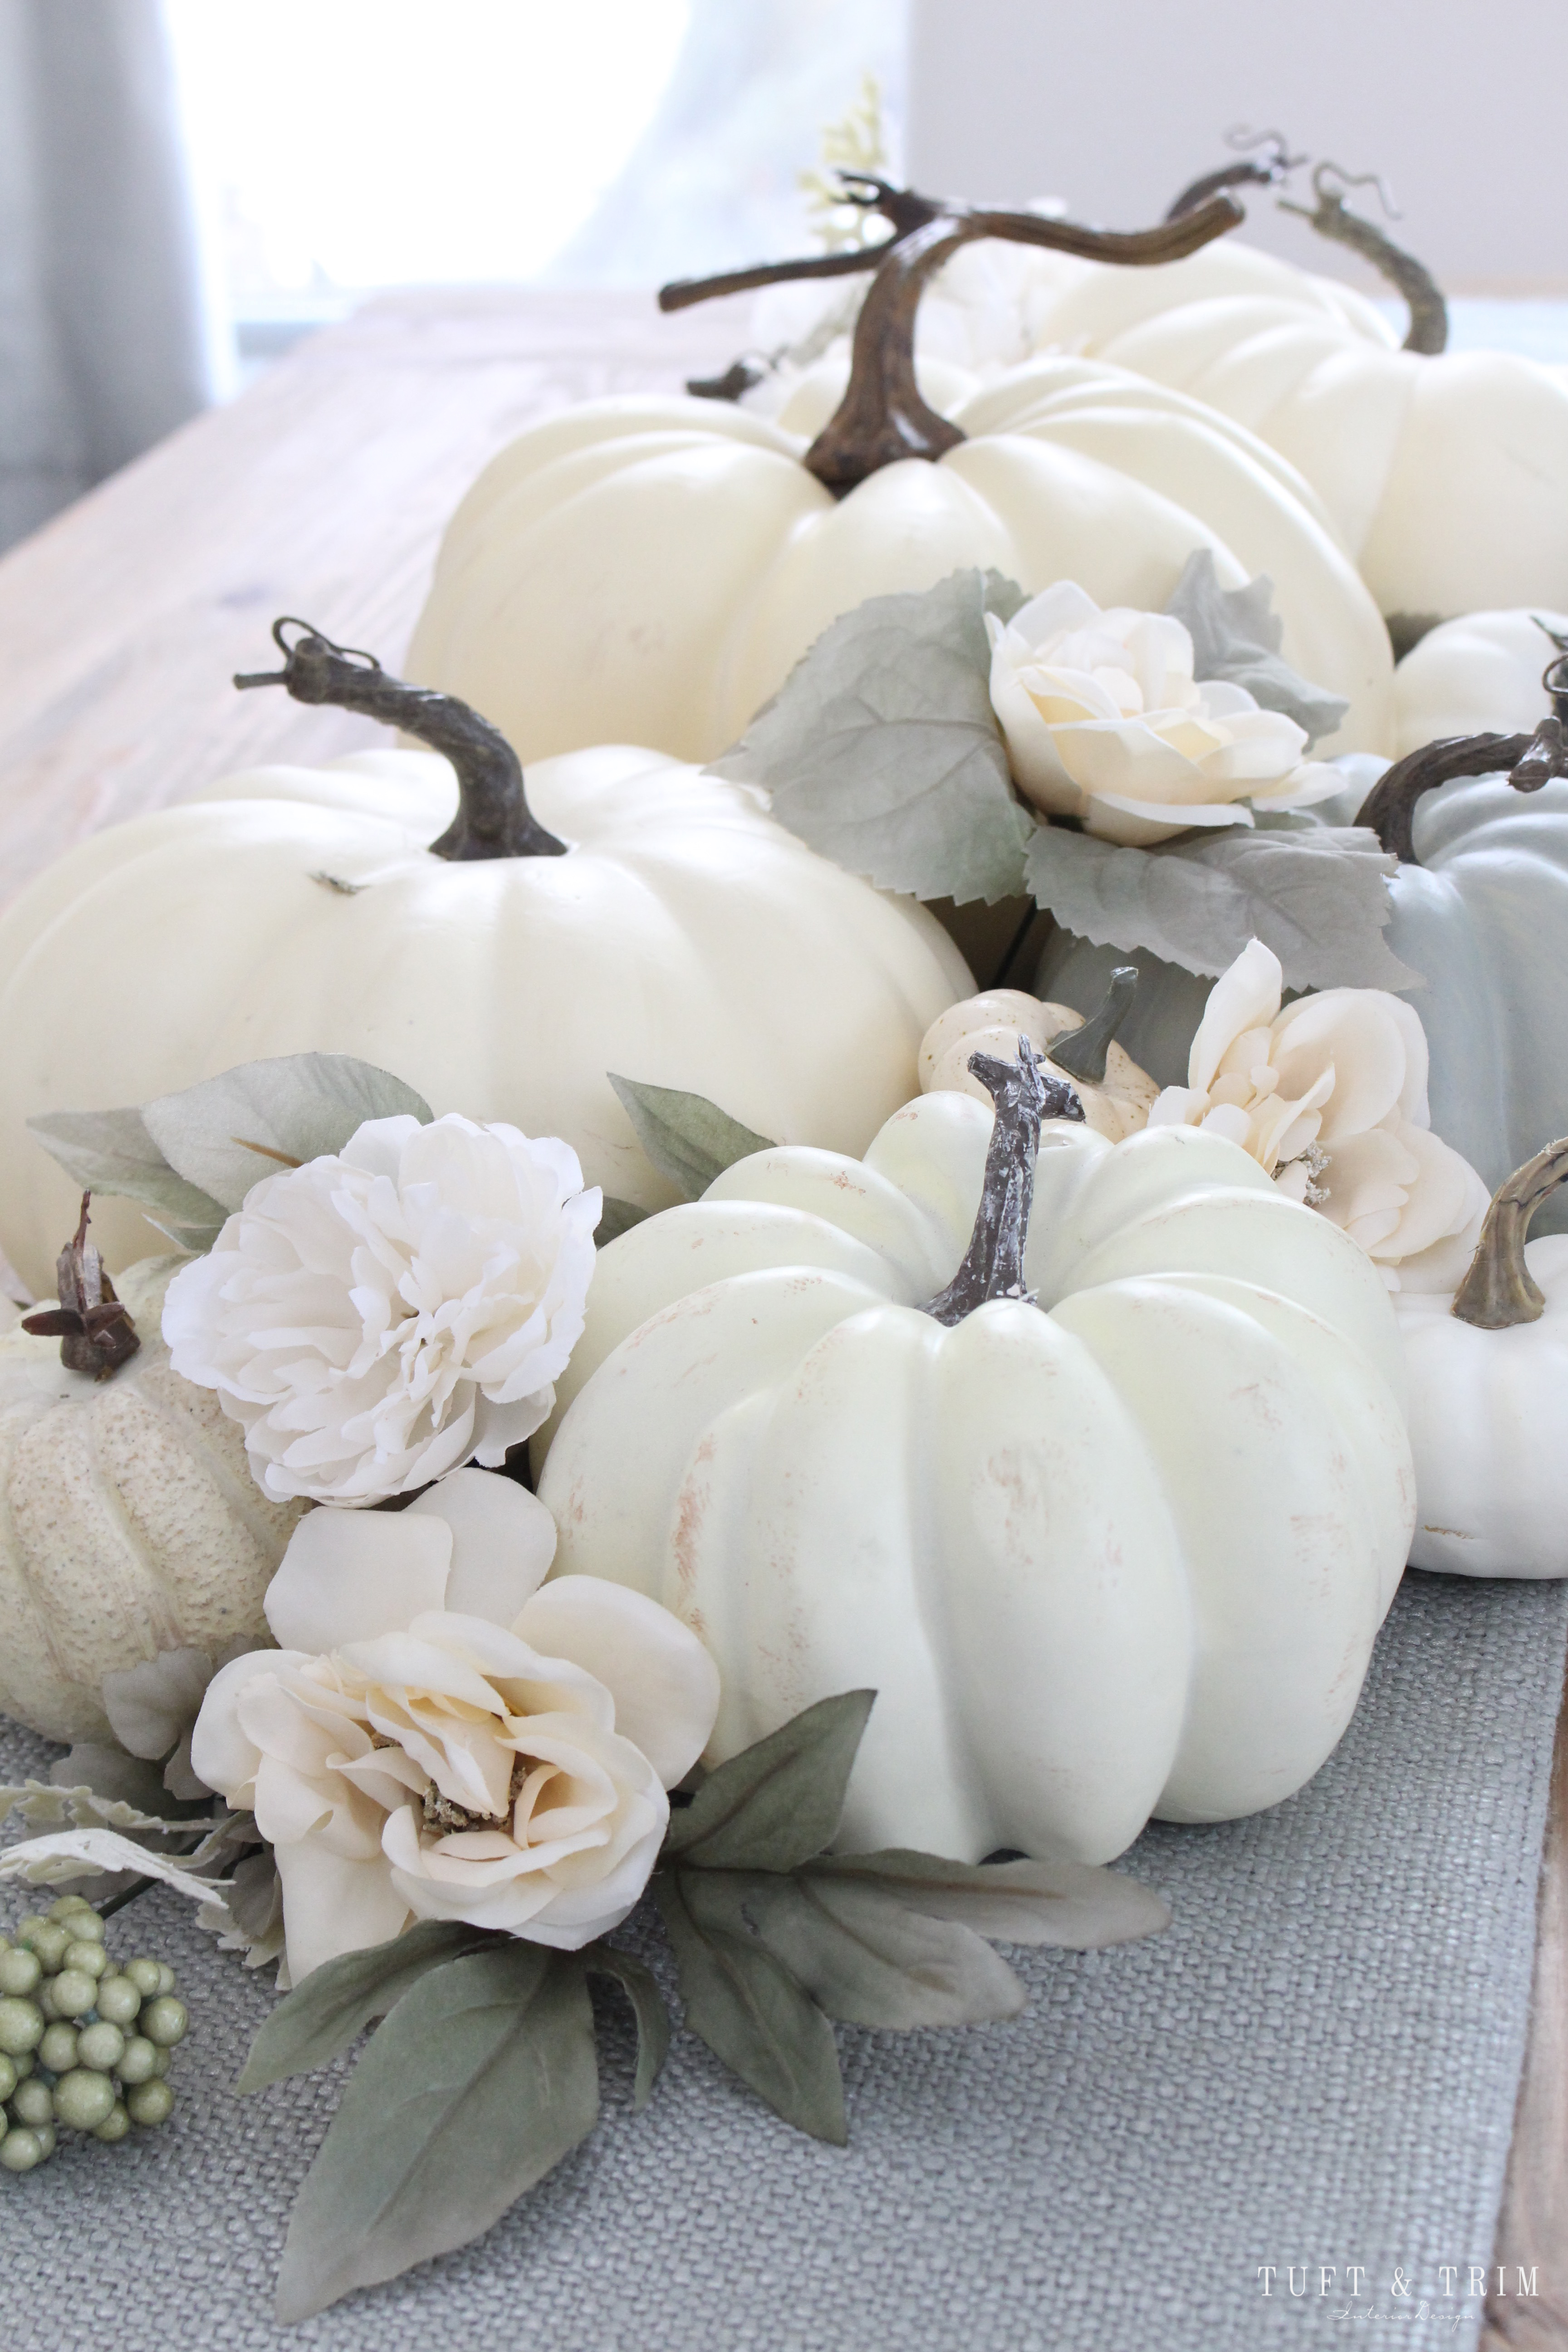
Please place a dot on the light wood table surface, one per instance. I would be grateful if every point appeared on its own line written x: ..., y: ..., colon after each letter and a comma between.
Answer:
x: 322, y: 492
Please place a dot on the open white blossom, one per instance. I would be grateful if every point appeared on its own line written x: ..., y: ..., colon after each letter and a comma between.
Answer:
x: 1329, y: 1097
x: 445, y: 1736
x: 1105, y: 722
x: 383, y: 1314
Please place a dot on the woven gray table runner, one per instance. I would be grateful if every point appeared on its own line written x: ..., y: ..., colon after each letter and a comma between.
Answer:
x: 1314, y: 2069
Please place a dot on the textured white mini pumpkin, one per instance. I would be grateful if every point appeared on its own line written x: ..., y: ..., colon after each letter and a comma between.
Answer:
x: 1115, y: 1095
x: 129, y: 1521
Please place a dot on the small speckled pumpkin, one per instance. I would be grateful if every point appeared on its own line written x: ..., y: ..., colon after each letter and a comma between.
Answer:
x: 128, y: 1520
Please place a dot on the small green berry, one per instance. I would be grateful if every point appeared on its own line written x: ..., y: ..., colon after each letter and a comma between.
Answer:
x: 21, y: 2025
x: 100, y: 2046
x: 83, y: 2099
x: 164, y: 2020
x: 57, y: 2051
x: 19, y: 1970
x: 9, y: 2077
x: 21, y: 2150
x: 161, y: 2064
x: 146, y: 1976
x: 33, y: 2103
x: 115, y: 2123
x: 138, y: 2059
x: 72, y: 1992
x: 46, y: 1938
x: 91, y: 1960
x: 47, y: 2137
x: 166, y: 1981
x: 23, y: 2062
x: 150, y: 2102
x: 67, y: 1906
x: 118, y: 1999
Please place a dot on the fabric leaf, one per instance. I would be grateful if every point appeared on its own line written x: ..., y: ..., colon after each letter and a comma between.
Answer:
x: 688, y: 1139
x: 1235, y: 636
x: 641, y: 1988
x: 780, y: 1802
x: 1076, y: 1905
x: 336, y: 2001
x: 482, y: 2078
x: 112, y: 1152
x: 46, y: 1805
x: 752, y: 2013
x: 68, y: 1854
x: 881, y: 750
x: 1316, y: 894
x: 226, y: 1133
x: 618, y: 1217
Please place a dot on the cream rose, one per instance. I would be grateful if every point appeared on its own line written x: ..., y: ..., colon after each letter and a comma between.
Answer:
x: 1329, y: 1097
x: 379, y: 1316
x: 445, y: 1736
x: 1104, y: 722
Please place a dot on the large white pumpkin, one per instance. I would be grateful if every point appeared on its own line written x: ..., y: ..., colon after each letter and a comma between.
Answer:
x: 684, y: 939
x: 1118, y: 1551
x: 653, y: 568
x: 1478, y: 674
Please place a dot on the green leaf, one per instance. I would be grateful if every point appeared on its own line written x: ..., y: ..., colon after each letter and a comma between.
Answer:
x: 618, y: 1217
x: 858, y: 1949
x: 112, y: 1152
x: 750, y: 2011
x: 1076, y: 1905
x: 54, y: 1805
x: 780, y: 1802
x: 881, y: 750
x: 480, y: 2081
x: 1236, y: 637
x: 688, y: 1139
x: 641, y: 1988
x: 336, y: 2001
x: 1317, y: 896
x: 229, y: 1132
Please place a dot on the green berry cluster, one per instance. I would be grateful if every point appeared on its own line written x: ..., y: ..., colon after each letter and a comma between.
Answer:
x: 83, y: 2044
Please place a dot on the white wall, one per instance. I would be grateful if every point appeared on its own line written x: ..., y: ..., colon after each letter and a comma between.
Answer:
x: 1115, y: 104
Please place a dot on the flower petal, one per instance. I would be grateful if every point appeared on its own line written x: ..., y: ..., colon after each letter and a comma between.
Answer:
x: 664, y: 1683
x: 331, y: 1905
x: 348, y: 1576
x: 503, y: 1540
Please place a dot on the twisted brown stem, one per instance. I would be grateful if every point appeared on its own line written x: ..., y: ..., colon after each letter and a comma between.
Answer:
x: 1428, y: 328
x: 1499, y: 1290
x: 1263, y: 170
x: 94, y: 1330
x: 1389, y: 807
x: 494, y: 817
x: 993, y: 1265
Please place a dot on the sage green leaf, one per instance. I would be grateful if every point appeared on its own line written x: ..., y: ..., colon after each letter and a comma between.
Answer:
x: 779, y: 1802
x: 56, y: 1805
x: 226, y: 1133
x: 641, y: 1988
x: 336, y: 2001
x: 858, y: 1949
x: 1317, y: 894
x: 617, y: 1217
x: 1237, y: 636
x: 482, y: 2078
x: 110, y: 1773
x: 881, y: 750
x: 1076, y: 1905
x: 749, y: 2010
x: 112, y: 1152
x: 688, y: 1139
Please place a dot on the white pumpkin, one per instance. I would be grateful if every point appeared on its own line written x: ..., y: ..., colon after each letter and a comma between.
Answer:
x: 684, y: 939
x: 129, y: 1521
x: 1480, y: 675
x: 1115, y: 1096
x: 1488, y: 1369
x: 1119, y: 1548
x: 652, y: 569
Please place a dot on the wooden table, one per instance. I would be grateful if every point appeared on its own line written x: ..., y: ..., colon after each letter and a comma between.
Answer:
x: 322, y: 492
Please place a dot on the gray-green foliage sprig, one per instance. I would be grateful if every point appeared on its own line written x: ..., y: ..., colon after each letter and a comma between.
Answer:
x: 483, y: 2074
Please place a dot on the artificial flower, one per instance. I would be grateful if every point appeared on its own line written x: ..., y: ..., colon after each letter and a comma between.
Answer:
x: 443, y: 1735
x: 383, y: 1314
x: 1329, y: 1096
x: 1104, y: 722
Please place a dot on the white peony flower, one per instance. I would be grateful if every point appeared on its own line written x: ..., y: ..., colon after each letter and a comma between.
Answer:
x: 445, y: 1736
x: 1104, y: 722
x: 377, y: 1317
x: 1329, y: 1097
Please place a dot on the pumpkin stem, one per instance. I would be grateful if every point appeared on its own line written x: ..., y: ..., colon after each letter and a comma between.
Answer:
x: 494, y: 817
x: 1389, y: 807
x: 1081, y: 1051
x: 882, y: 418
x: 95, y: 1331
x: 1428, y: 329
x: 1262, y: 171
x: 1499, y: 1290
x: 993, y: 1265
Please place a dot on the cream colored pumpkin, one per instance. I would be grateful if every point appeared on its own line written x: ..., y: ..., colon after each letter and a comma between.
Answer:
x: 1114, y: 1106
x: 685, y: 939
x: 1116, y: 1548
x: 1478, y: 674
x: 653, y: 568
x: 129, y: 1521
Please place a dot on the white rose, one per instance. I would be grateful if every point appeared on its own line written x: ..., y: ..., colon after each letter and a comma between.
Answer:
x: 377, y: 1317
x: 1329, y: 1097
x: 443, y: 1736
x: 1104, y: 722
